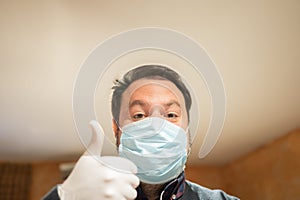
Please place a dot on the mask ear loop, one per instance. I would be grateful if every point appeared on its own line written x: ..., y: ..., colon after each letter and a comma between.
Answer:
x: 190, y: 142
x: 190, y: 145
x: 117, y: 123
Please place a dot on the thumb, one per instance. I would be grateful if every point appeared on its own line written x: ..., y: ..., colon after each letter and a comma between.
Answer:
x: 96, y: 144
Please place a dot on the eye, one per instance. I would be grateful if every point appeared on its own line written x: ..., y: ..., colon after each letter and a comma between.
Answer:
x: 138, y: 116
x: 171, y: 115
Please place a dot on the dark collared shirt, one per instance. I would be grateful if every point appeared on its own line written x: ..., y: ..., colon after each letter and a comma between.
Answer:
x: 178, y: 189
x: 173, y: 190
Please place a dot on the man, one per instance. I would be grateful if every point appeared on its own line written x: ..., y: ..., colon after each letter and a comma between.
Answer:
x: 150, y: 108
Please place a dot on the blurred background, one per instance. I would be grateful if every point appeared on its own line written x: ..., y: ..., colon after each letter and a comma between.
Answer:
x: 255, y: 44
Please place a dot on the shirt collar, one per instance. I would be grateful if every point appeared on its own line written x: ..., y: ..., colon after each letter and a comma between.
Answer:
x: 173, y: 190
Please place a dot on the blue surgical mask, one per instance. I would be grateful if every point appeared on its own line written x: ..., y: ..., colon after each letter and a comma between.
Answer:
x: 157, y: 147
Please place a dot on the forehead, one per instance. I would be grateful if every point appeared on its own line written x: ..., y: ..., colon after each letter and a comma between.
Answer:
x: 153, y: 94
x: 152, y: 89
x: 162, y: 93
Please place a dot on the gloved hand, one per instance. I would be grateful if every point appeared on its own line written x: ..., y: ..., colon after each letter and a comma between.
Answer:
x: 100, y: 178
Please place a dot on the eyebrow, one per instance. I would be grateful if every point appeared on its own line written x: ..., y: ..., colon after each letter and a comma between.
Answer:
x: 143, y: 103
x: 172, y: 102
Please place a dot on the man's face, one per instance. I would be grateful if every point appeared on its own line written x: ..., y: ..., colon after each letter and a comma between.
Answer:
x: 152, y: 98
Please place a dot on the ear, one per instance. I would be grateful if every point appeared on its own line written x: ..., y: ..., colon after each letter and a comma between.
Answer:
x: 115, y: 127
x: 117, y: 132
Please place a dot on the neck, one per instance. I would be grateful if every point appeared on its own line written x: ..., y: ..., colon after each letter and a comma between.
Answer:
x: 152, y: 191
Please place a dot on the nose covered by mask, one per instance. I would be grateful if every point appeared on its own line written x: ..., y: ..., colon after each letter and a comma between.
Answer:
x: 156, y: 146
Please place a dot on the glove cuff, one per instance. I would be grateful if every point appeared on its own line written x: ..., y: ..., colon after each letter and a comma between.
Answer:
x: 63, y: 194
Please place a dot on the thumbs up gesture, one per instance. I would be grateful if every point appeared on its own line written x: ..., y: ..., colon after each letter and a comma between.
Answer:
x: 100, y: 178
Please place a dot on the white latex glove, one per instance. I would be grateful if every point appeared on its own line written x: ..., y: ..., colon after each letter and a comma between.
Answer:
x: 100, y: 178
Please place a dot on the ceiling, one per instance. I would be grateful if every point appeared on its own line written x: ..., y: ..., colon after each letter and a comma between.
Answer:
x: 255, y: 45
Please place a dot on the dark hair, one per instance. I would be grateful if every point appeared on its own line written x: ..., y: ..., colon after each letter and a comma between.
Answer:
x: 151, y: 72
